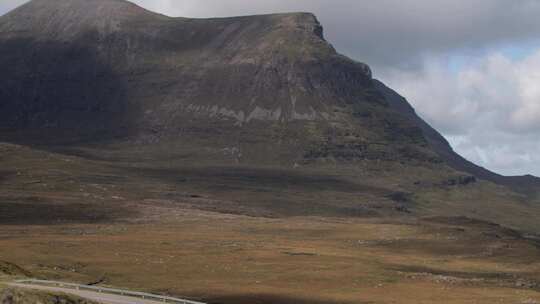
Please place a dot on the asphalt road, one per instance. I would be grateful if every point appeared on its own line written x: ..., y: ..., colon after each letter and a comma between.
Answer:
x: 94, y: 296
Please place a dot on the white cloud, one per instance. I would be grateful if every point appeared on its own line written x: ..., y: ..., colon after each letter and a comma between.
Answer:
x: 489, y: 109
x: 7, y: 5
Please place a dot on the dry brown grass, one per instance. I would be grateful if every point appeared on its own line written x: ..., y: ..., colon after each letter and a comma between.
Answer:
x: 235, y: 259
x: 165, y: 229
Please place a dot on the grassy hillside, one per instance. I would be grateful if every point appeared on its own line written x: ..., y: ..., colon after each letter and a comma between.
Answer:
x: 95, y: 184
x: 23, y: 296
x: 245, y: 234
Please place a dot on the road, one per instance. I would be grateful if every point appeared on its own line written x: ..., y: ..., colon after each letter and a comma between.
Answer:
x: 90, y: 295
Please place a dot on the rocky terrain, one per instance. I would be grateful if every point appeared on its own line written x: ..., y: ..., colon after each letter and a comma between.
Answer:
x: 268, y: 88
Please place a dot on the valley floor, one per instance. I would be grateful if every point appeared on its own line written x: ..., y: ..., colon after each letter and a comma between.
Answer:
x: 236, y: 259
x: 258, y: 236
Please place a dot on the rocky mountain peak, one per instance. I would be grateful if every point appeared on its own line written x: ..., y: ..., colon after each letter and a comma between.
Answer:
x: 65, y: 19
x: 269, y: 88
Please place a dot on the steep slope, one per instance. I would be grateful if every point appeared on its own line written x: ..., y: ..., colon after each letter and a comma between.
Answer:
x: 525, y: 184
x: 111, y: 68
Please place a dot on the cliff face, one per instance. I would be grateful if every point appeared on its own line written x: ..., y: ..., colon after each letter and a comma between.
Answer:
x: 263, y: 67
x: 111, y: 68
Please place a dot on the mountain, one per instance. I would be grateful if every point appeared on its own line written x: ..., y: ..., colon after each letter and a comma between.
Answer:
x: 70, y: 65
x: 109, y: 81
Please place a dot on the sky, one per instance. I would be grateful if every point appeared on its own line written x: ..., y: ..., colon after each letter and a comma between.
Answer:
x: 470, y: 68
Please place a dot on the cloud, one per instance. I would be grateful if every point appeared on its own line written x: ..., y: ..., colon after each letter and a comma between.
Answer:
x: 7, y: 5
x: 489, y: 109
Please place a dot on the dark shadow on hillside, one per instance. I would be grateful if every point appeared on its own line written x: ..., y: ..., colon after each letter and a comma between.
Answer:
x: 40, y: 212
x: 54, y: 92
x: 270, y: 299
x: 4, y: 175
x: 244, y: 177
x: 265, y: 192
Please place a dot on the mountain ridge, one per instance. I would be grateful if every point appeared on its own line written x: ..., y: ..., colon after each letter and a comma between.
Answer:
x: 115, y: 69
